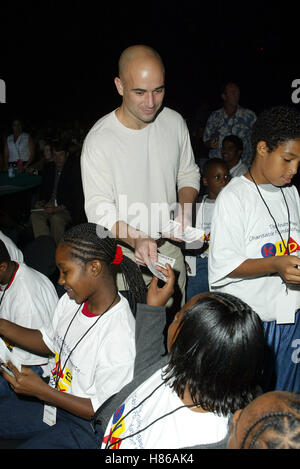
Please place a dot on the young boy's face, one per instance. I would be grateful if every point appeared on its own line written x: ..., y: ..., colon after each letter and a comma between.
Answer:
x: 217, y: 178
x: 279, y: 166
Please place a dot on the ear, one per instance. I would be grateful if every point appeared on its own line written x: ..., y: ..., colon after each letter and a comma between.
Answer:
x: 262, y: 148
x: 3, y: 266
x: 205, y: 181
x: 95, y: 268
x: 119, y: 85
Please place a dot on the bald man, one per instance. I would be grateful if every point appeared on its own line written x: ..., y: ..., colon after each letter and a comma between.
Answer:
x: 271, y: 421
x: 137, y: 163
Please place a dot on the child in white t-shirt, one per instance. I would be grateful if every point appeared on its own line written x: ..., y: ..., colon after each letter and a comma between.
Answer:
x: 27, y: 298
x: 189, y: 402
x: 215, y: 176
x: 255, y: 241
x: 92, y: 341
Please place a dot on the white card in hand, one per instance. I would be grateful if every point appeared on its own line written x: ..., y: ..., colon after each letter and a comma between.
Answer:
x: 6, y: 355
x: 162, y: 260
x: 189, y: 235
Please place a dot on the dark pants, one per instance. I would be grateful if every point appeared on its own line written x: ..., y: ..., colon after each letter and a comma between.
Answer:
x: 22, y: 419
x: 282, y: 371
x: 198, y: 283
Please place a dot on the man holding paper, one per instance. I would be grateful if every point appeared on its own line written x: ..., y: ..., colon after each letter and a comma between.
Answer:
x: 138, y: 165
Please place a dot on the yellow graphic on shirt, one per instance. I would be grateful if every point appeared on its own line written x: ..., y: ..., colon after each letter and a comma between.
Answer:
x: 64, y: 376
x: 9, y: 346
x: 117, y: 429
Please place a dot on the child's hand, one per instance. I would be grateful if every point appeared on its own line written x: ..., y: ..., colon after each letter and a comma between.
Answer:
x: 25, y: 382
x: 287, y: 267
x: 160, y: 296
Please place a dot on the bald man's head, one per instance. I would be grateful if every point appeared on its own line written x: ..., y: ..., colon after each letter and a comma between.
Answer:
x: 141, y: 83
x: 138, y: 54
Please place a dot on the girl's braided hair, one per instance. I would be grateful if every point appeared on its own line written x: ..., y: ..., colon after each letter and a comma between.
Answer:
x: 279, y: 429
x: 90, y: 241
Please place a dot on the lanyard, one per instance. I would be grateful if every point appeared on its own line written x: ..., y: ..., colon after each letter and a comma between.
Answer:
x: 275, y: 224
x: 60, y: 372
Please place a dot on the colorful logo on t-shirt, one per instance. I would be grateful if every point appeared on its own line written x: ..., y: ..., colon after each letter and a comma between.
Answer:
x: 62, y: 377
x: 116, y: 430
x: 279, y: 249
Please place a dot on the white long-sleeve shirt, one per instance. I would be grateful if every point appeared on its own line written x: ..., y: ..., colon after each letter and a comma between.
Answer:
x: 134, y: 175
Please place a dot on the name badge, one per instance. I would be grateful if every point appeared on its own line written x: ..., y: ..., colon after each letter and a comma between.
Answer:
x: 49, y: 416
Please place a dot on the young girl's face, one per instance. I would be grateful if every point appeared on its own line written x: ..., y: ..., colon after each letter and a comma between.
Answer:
x: 174, y: 327
x: 280, y: 166
x: 74, y: 275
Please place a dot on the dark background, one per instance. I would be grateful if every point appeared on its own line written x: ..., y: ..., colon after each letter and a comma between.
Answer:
x: 58, y: 59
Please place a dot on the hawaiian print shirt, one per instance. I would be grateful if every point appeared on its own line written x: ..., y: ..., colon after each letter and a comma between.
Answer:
x: 239, y: 124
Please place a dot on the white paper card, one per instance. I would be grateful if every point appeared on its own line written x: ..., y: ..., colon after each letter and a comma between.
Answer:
x: 162, y: 260
x: 189, y: 235
x: 6, y: 355
x: 49, y: 416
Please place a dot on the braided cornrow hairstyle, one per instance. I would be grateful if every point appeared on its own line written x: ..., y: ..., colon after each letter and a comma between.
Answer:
x: 90, y: 241
x: 280, y: 430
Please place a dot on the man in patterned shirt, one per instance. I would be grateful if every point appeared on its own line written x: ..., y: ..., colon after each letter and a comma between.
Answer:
x: 228, y: 120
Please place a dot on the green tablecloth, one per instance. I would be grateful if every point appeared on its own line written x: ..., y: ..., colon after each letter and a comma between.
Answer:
x: 18, y: 183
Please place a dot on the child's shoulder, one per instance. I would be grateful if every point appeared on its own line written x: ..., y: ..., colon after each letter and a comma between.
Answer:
x: 237, y: 185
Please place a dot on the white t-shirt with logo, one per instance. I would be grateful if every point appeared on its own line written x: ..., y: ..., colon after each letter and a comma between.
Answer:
x: 102, y: 362
x: 182, y: 428
x: 243, y: 229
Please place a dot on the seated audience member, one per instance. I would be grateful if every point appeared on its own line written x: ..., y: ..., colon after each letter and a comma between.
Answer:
x: 51, y: 215
x: 91, y: 341
x: 215, y: 176
x: 15, y: 253
x: 216, y: 346
x: 271, y: 421
x: 46, y: 157
x: 232, y: 149
x: 29, y: 299
x: 19, y: 146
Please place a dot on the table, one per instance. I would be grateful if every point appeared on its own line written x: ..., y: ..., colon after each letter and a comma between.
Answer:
x: 20, y: 182
x: 16, y: 196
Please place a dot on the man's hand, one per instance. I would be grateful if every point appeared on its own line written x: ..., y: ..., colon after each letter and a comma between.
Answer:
x: 145, y: 250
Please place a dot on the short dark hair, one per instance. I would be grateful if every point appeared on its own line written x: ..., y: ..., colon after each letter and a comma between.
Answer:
x: 210, y: 163
x: 237, y: 141
x: 218, y: 353
x: 224, y: 84
x: 276, y: 126
x: 59, y: 145
x: 4, y: 254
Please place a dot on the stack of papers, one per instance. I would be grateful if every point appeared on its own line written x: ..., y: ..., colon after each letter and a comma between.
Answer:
x: 189, y: 235
x: 161, y: 261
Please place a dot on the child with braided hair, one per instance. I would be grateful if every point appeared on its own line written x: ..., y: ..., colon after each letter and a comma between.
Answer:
x: 271, y: 421
x: 92, y: 340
